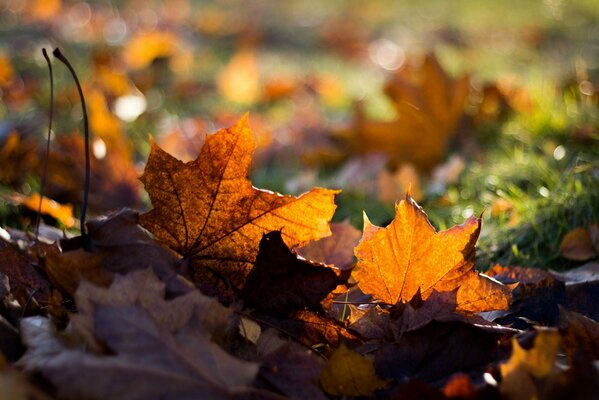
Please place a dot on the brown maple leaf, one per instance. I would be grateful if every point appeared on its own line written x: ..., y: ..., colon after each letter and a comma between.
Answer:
x: 395, y: 262
x: 208, y: 211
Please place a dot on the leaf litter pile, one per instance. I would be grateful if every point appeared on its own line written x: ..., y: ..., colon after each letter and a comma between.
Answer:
x: 223, y: 290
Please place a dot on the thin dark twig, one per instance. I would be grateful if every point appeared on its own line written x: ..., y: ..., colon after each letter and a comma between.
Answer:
x: 45, y: 173
x: 86, y: 183
x: 29, y: 300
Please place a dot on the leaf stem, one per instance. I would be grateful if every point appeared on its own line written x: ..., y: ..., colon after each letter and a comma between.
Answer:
x: 45, y: 173
x: 86, y: 183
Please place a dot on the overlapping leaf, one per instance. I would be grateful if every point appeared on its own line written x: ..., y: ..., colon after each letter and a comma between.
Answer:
x: 208, y: 211
x: 157, y: 348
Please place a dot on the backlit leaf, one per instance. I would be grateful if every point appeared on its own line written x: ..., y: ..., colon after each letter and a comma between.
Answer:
x: 209, y: 213
x: 408, y: 256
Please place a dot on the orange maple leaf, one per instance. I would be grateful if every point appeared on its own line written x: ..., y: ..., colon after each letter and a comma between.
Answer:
x: 409, y: 255
x: 208, y: 212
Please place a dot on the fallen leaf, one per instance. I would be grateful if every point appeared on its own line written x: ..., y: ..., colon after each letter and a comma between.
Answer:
x: 436, y: 351
x: 429, y: 105
x: 577, y: 245
x: 293, y: 370
x: 61, y: 212
x: 460, y: 386
x: 145, y: 47
x: 185, y: 139
x: 404, y: 180
x: 6, y: 70
x: 580, y: 335
x: 238, y: 81
x: 417, y: 389
x: 535, y: 299
x: 588, y: 272
x: 292, y: 283
x: 209, y: 213
x: 114, y: 181
x: 10, y: 343
x: 118, y: 245
x: 311, y: 329
x: 523, y: 373
x: 408, y: 256
x: 156, y: 348
x: 336, y: 249
x: 16, y: 386
x: 348, y: 373
x: 28, y: 285
x: 17, y: 156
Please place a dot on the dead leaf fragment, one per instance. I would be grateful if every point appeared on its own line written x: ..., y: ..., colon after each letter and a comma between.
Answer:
x: 350, y: 374
x: 409, y: 256
x: 209, y: 213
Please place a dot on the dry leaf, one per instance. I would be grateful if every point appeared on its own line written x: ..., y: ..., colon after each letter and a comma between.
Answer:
x: 404, y: 180
x: 15, y: 386
x: 145, y: 47
x: 292, y: 283
x: 580, y: 335
x: 6, y: 70
x: 524, y: 370
x: 436, y: 351
x: 429, y: 105
x: 534, y: 300
x: 311, y: 329
x: 350, y: 374
x: 60, y: 212
x: 27, y: 284
x: 336, y: 249
x: 294, y: 370
x: 408, y: 256
x: 157, y: 348
x: 208, y: 212
x: 118, y: 245
x: 577, y: 245
x: 239, y: 79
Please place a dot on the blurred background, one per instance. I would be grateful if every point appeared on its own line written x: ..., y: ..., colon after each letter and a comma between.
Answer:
x: 470, y: 105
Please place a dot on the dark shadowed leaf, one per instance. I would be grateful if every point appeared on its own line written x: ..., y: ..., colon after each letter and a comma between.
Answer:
x: 158, y: 348
x: 118, y: 245
x: 280, y: 282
